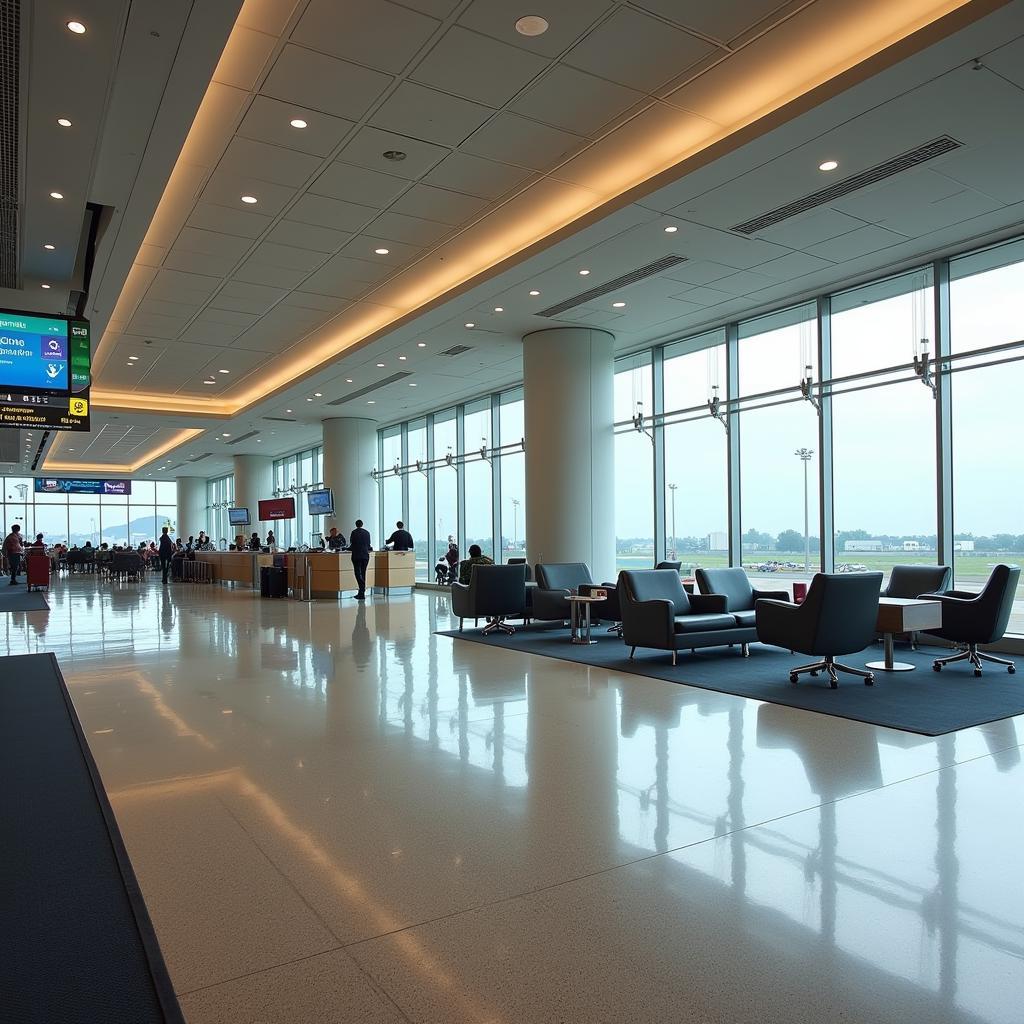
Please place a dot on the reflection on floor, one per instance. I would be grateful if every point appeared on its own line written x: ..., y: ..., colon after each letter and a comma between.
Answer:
x: 336, y: 815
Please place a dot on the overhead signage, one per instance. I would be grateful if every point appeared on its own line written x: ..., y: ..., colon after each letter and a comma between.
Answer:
x: 45, y: 371
x: 276, y: 508
x: 64, y: 485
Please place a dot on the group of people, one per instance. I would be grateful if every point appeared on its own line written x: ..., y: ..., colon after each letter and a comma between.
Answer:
x: 360, y: 546
x: 450, y: 568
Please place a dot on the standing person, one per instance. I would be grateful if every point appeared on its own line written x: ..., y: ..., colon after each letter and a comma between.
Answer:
x: 13, y: 550
x: 166, y: 553
x: 360, y: 546
x: 401, y: 539
x: 335, y: 541
x: 254, y: 543
x: 451, y: 556
x: 271, y: 540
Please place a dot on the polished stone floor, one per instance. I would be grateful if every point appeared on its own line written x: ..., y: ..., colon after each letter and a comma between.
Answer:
x: 337, y: 816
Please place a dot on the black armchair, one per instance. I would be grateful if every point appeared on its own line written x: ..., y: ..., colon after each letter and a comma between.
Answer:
x: 495, y: 593
x: 972, y: 619
x: 911, y: 581
x: 739, y: 594
x: 555, y: 582
x: 837, y: 617
x: 657, y: 612
x: 669, y: 565
x: 522, y: 561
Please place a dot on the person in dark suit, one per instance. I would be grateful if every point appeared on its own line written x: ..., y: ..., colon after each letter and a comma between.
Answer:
x: 401, y: 539
x: 360, y: 546
x: 166, y: 553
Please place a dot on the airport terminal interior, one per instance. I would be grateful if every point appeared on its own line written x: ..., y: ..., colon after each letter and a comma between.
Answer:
x: 512, y: 513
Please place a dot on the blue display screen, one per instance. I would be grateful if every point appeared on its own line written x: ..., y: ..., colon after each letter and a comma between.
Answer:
x: 33, y: 353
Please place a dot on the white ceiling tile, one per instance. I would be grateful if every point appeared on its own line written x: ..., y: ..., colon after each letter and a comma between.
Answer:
x: 248, y: 157
x: 176, y: 279
x: 806, y: 229
x: 743, y: 283
x: 208, y: 332
x: 573, y: 100
x: 567, y: 23
x: 918, y: 220
x: 358, y: 184
x: 276, y: 255
x: 702, y: 296
x: 440, y: 204
x: 864, y: 240
x: 435, y: 8
x: 398, y: 254
x: 247, y: 298
x: 368, y: 146
x: 226, y: 316
x: 252, y: 271
x: 475, y: 176
x: 311, y: 300
x: 993, y: 168
x: 419, y: 112
x: 308, y: 236
x: 244, y: 223
x: 509, y: 137
x: 156, y: 325
x: 696, y: 271
x: 268, y: 121
x: 472, y: 65
x: 227, y: 189
x: 724, y: 19
x: 212, y: 243
x: 149, y: 305
x: 655, y: 53
x: 413, y: 230
x: 377, y: 33
x: 331, y: 213
x: 324, y: 83
x: 199, y: 263
x: 794, y: 265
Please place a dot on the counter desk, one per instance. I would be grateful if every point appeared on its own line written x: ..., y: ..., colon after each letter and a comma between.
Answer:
x: 236, y: 566
x: 331, y: 573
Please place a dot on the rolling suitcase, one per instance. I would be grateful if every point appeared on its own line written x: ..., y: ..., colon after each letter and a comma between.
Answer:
x: 38, y: 572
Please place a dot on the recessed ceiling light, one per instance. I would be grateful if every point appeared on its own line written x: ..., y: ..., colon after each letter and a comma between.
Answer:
x: 348, y: 380
x: 259, y: 440
x: 223, y: 371
x: 535, y: 292
x: 402, y: 359
x: 318, y: 394
x: 382, y: 251
x: 297, y: 122
x: 393, y: 154
x: 371, y: 402
x: 412, y: 385
x: 44, y: 286
x: 56, y: 195
x: 50, y: 246
x: 380, y: 365
x: 499, y: 309
x: 421, y: 344
x: 71, y: 449
x: 63, y: 122
x: 309, y: 399
x: 132, y: 359
x: 209, y: 382
x: 222, y: 435
x: 828, y: 165
x: 249, y: 199
x: 471, y: 326
x: 77, y: 27
x: 583, y: 273
x: 671, y: 229
x: 287, y: 410
x: 532, y: 25
x: 618, y: 305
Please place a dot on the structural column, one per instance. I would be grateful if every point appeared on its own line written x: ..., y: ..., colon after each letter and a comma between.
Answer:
x: 254, y: 482
x: 350, y: 455
x: 568, y: 382
x: 192, y: 513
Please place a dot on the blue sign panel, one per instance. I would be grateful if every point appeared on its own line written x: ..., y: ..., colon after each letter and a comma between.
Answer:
x: 33, y: 353
x: 62, y: 485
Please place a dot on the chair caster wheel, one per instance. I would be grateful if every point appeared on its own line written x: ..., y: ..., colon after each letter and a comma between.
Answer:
x: 834, y: 685
x: 869, y: 681
x: 793, y: 678
x: 1011, y: 669
x: 977, y: 672
x: 936, y: 668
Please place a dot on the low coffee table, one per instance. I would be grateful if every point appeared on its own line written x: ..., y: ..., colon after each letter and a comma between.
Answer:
x: 577, y: 605
x: 903, y: 615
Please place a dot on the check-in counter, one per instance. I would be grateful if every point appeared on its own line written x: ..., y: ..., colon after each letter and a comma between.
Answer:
x: 236, y: 566
x: 328, y: 573
x: 394, y: 570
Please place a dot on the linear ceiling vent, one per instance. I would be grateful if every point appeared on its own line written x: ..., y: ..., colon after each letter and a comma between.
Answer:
x: 10, y: 30
x: 640, y: 274
x: 456, y: 350
x: 370, y: 388
x: 280, y: 419
x: 199, y: 458
x: 242, y: 437
x: 929, y: 151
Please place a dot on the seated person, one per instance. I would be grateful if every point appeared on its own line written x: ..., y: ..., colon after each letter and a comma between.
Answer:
x: 255, y: 544
x: 401, y: 539
x: 38, y: 542
x: 335, y: 541
x: 476, y: 557
x: 441, y: 570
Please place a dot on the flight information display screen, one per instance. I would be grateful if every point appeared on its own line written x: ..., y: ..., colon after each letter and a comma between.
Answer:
x: 34, y: 353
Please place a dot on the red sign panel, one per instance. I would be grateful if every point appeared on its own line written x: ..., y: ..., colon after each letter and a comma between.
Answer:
x: 276, y: 508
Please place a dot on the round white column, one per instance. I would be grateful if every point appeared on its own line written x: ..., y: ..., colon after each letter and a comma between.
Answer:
x: 254, y: 482
x: 350, y: 454
x: 568, y: 383
x: 192, y: 515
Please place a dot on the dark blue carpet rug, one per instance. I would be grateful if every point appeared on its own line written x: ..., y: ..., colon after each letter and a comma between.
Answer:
x: 922, y: 701
x: 20, y: 599
x: 76, y: 943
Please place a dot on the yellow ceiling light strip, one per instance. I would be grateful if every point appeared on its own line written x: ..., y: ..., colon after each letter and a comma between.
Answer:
x: 54, y: 465
x: 813, y: 48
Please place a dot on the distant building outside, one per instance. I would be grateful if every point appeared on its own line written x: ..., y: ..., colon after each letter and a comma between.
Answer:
x: 862, y: 545
x: 718, y: 540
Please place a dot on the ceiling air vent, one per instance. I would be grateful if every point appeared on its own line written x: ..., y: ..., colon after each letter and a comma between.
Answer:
x: 199, y: 458
x: 370, y: 388
x: 242, y: 437
x: 640, y: 274
x: 456, y: 350
x: 929, y: 151
x: 280, y: 419
x: 10, y: 27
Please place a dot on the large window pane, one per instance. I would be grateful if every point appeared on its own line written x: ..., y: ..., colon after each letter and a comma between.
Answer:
x: 634, y: 467
x: 883, y: 437
x: 511, y: 426
x: 778, y: 484
x: 988, y: 421
x: 696, y: 458
x: 391, y: 482
x: 417, y: 521
x: 479, y: 520
x: 52, y: 522
x: 446, y: 487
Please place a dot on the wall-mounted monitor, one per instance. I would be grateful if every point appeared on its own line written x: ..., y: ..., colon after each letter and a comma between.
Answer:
x: 321, y: 503
x: 276, y: 508
x: 238, y: 516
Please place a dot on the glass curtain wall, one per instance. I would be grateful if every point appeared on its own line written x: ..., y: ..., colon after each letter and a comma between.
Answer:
x: 100, y: 519
x: 446, y: 483
x: 512, y: 474
x: 417, y: 517
x: 293, y: 476
x: 391, y: 482
x: 634, y: 464
x: 220, y: 496
x: 479, y: 486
